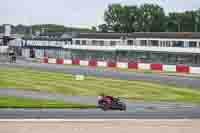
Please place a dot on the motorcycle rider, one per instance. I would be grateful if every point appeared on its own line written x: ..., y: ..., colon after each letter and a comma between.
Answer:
x: 109, y: 102
x: 104, y: 98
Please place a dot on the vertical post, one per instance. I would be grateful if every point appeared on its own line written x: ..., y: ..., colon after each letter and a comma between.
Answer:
x: 186, y: 44
x: 198, y: 44
x: 160, y: 43
x: 171, y: 43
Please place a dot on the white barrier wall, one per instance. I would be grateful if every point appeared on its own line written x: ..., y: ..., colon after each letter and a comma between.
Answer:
x: 169, y: 68
x: 83, y: 63
x: 51, y: 60
x: 144, y: 66
x: 101, y: 63
x: 195, y: 70
x: 122, y: 65
x: 69, y: 62
x: 166, y: 68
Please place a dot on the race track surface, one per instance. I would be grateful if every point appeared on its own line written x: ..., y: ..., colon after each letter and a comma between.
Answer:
x: 135, y: 109
x: 99, y: 114
x: 142, y: 110
x: 105, y: 73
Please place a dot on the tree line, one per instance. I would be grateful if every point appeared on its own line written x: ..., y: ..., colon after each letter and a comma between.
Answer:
x: 127, y: 18
x: 148, y: 18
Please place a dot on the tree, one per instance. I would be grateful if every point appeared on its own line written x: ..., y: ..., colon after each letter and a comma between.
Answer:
x: 187, y: 21
x: 103, y: 28
x: 94, y: 29
x: 133, y: 18
x: 152, y: 18
x: 148, y: 17
x: 128, y: 19
x: 112, y: 17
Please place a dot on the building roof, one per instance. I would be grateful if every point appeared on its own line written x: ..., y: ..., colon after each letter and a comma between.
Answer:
x: 177, y: 35
x: 98, y: 35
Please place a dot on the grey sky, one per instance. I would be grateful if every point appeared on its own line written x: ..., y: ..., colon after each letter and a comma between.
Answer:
x: 84, y: 13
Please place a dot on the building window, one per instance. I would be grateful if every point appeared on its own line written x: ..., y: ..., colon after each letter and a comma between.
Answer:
x: 77, y: 41
x: 83, y: 42
x: 143, y: 42
x: 68, y: 42
x: 154, y: 43
x: 112, y: 43
x: 94, y: 42
x: 168, y: 44
x: 101, y: 43
x: 130, y: 42
x: 192, y: 44
x: 178, y: 44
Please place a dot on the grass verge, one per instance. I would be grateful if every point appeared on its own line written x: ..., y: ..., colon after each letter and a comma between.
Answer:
x: 14, y: 102
x: 168, y: 73
x: 52, y: 82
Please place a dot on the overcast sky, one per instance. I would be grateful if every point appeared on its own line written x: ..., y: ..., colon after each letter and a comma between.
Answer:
x: 82, y: 13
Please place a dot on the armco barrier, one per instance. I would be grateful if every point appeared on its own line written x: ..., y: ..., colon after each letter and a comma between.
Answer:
x: 84, y: 63
x: 132, y: 65
x: 59, y: 61
x: 169, y: 68
x: 101, y: 63
x: 122, y: 65
x: 69, y: 62
x: 51, y: 60
x: 182, y: 69
x: 45, y: 60
x: 156, y: 67
x: 75, y: 61
x: 111, y: 64
x: 92, y: 63
x: 195, y: 70
x: 144, y: 66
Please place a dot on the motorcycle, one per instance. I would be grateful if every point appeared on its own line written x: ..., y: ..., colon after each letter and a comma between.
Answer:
x: 115, y: 104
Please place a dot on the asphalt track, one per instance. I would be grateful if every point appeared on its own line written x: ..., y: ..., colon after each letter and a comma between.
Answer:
x: 179, y: 81
x: 135, y: 110
x: 99, y: 114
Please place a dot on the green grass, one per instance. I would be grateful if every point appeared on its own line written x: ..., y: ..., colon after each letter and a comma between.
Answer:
x: 14, y: 102
x: 27, y: 79
x: 169, y: 73
x: 116, y: 69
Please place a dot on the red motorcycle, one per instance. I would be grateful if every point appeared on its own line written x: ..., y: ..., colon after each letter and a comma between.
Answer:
x: 110, y: 103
